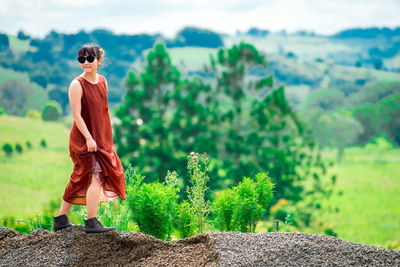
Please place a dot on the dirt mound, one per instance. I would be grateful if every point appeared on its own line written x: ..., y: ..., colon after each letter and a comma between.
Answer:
x: 73, y: 247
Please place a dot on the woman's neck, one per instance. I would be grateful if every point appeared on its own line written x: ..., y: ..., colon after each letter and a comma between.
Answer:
x: 91, y: 76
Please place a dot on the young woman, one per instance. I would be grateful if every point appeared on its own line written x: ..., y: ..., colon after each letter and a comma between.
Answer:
x: 97, y: 175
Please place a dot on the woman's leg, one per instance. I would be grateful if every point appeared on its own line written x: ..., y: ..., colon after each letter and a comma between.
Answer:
x: 92, y: 197
x: 65, y: 208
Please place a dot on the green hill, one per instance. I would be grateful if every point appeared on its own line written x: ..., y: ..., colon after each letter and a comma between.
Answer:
x: 31, y: 179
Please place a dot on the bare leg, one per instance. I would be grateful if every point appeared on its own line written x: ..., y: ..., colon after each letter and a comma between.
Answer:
x: 92, y: 197
x: 65, y: 208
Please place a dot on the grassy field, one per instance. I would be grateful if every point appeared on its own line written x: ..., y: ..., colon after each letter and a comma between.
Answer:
x: 369, y: 209
x: 369, y: 178
x: 30, y: 179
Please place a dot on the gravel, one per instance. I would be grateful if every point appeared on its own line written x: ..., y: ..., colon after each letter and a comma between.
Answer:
x: 73, y: 247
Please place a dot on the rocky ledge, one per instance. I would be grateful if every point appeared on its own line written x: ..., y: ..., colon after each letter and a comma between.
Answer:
x: 73, y: 247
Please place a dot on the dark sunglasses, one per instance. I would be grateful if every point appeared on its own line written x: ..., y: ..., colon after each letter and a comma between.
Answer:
x: 89, y: 58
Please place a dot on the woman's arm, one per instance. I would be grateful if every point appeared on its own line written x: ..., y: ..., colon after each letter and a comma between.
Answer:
x: 75, y: 95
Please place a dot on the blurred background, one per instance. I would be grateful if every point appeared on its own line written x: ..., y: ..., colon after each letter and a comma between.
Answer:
x: 306, y: 90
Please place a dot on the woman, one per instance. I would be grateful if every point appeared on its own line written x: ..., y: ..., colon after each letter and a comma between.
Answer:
x: 97, y: 175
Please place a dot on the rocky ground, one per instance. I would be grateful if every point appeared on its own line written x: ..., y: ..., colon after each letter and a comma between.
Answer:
x: 73, y: 247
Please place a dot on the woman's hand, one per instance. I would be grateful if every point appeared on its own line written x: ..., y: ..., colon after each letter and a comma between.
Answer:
x: 91, y: 145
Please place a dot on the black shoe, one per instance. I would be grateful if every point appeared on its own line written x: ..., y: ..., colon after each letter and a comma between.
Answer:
x: 92, y: 225
x: 61, y: 222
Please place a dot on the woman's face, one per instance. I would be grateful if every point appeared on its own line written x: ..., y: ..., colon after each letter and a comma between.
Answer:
x: 90, y: 67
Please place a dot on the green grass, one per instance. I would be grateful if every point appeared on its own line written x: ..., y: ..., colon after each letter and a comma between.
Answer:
x: 30, y: 180
x: 369, y: 209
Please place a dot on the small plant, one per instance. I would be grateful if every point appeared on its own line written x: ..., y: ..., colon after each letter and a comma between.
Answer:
x: 28, y: 145
x: 241, y: 207
x: 40, y: 220
x: 224, y: 207
x: 43, y: 143
x: 153, y: 205
x: 197, y: 166
x: 185, y: 220
x: 114, y: 214
x: 288, y: 222
x: 8, y: 149
x: 18, y: 148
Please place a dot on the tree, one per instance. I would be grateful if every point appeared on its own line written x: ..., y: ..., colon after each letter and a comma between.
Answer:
x: 14, y: 95
x: 51, y: 111
x: 389, y: 110
x: 368, y: 117
x: 4, y: 42
x: 244, y: 124
x: 143, y: 135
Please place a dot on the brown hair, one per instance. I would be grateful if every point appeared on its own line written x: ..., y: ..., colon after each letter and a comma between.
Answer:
x: 91, y: 49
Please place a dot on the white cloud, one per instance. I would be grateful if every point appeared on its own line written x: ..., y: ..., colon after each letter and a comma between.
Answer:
x: 169, y: 16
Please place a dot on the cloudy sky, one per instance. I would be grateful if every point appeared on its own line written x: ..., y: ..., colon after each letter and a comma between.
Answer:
x: 38, y: 17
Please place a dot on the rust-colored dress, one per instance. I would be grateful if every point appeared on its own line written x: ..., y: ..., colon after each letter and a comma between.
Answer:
x: 104, y: 163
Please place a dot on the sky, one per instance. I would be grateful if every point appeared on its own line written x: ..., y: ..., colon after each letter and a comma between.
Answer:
x: 167, y: 17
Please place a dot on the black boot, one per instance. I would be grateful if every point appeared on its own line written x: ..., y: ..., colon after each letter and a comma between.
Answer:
x: 92, y: 225
x: 61, y: 222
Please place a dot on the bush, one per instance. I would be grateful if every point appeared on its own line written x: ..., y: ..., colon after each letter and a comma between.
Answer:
x: 28, y: 145
x: 241, y: 207
x: 153, y: 205
x: 33, y: 114
x: 51, y: 111
x: 2, y: 111
x: 18, y: 148
x: 43, y: 143
x: 185, y: 220
x: 224, y: 207
x: 8, y: 149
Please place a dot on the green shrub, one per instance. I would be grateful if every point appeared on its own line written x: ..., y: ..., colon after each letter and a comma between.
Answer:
x: 33, y: 114
x: 2, y: 111
x: 224, y: 207
x: 185, y: 219
x: 8, y: 149
x: 51, y: 111
x: 18, y: 148
x: 153, y: 205
x: 43, y: 143
x: 197, y: 166
x: 28, y: 145
x: 241, y: 207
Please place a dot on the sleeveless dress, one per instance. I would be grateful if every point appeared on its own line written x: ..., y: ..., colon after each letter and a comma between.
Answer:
x: 104, y: 163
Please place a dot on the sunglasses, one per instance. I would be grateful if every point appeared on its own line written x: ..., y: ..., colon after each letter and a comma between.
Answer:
x: 89, y: 58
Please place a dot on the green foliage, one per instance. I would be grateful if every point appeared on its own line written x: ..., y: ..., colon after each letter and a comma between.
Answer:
x: 197, y: 167
x: 2, y: 111
x: 43, y: 143
x: 248, y: 125
x: 241, y: 207
x: 14, y: 96
x: 28, y: 145
x: 8, y: 149
x: 185, y: 219
x: 51, y: 111
x: 115, y: 214
x: 224, y: 206
x: 18, y: 148
x: 153, y: 205
x: 389, y: 110
x: 33, y: 114
x: 191, y: 36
